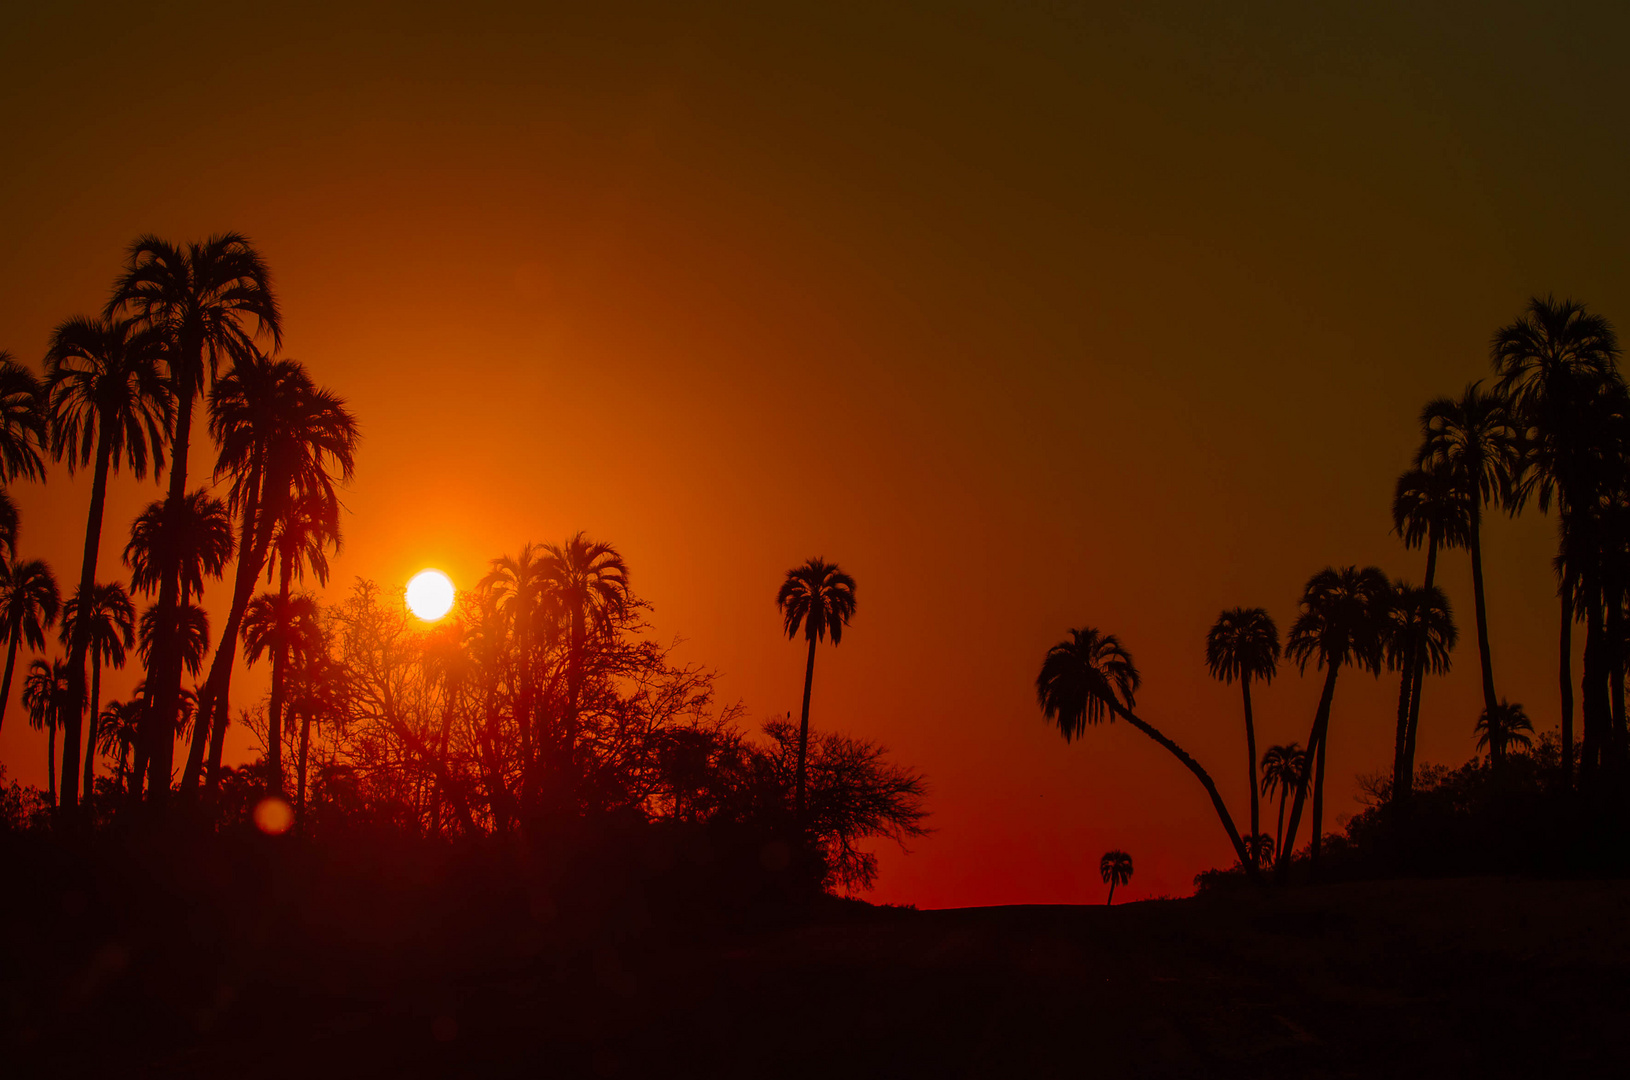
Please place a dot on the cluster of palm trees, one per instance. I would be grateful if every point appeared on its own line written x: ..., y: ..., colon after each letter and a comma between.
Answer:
x: 184, y: 325
x: 1552, y: 428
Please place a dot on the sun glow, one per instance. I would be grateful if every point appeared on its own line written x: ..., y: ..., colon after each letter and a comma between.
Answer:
x: 430, y: 594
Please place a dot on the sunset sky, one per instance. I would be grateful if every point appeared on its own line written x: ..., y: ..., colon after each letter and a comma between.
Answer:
x: 1030, y: 316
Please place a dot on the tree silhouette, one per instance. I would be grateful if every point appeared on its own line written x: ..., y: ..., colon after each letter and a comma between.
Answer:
x: 116, y: 734
x: 1089, y: 675
x: 189, y: 634
x: 195, y: 541
x: 109, y: 406
x: 283, y: 626
x: 109, y: 621
x: 44, y: 695
x: 1502, y: 728
x: 1116, y: 869
x: 820, y: 598
x: 203, y: 298
x: 8, y: 529
x: 1282, y: 769
x: 29, y: 603
x: 1419, y: 640
x: 1244, y: 644
x: 22, y: 422
x: 516, y: 587
x: 1343, y: 621
x: 588, y: 582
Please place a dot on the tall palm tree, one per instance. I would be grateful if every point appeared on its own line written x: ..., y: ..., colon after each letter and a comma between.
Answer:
x: 1116, y: 869
x: 109, y: 405
x: 210, y: 300
x: 1088, y: 676
x: 1475, y: 444
x: 1421, y: 637
x: 43, y: 697
x: 22, y: 422
x: 820, y: 598
x: 282, y: 440
x: 516, y: 586
x: 587, y: 582
x: 195, y: 542
x: 29, y: 603
x: 1506, y: 726
x: 1244, y: 644
x: 1282, y: 769
x: 283, y: 626
x: 1555, y: 364
x: 109, y: 624
x: 1343, y: 622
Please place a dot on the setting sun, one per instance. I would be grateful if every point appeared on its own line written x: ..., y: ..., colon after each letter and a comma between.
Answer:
x: 430, y: 594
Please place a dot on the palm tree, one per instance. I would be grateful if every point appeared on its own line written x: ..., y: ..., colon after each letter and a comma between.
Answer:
x: 821, y: 598
x: 1474, y: 443
x: 1116, y: 869
x: 1343, y: 621
x: 1282, y: 769
x: 282, y: 440
x: 29, y: 603
x: 203, y: 298
x: 516, y: 586
x: 189, y: 633
x: 109, y: 404
x: 1419, y: 640
x: 110, y: 629
x: 281, y: 625
x: 587, y: 582
x: 8, y: 529
x: 43, y: 697
x: 116, y: 728
x: 22, y: 422
x: 1506, y: 726
x: 1244, y: 644
x: 201, y: 546
x: 1089, y: 675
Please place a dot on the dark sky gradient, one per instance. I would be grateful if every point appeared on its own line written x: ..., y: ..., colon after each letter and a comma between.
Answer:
x: 1030, y: 317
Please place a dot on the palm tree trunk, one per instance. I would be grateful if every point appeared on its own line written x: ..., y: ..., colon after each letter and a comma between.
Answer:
x: 1111, y: 899
x: 1321, y: 721
x: 1593, y: 690
x: 300, y: 771
x: 1615, y: 643
x: 1401, y: 769
x: 1489, y: 700
x: 1279, y: 838
x: 1200, y: 774
x: 1250, y: 764
x: 280, y: 659
x: 1565, y: 677
x: 803, y: 736
x: 90, y: 727
x: 11, y: 663
x: 1403, y: 762
x: 75, y: 703
x: 51, y: 761
x: 1318, y: 802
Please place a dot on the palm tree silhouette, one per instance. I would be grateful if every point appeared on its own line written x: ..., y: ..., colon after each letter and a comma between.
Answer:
x: 110, y: 629
x: 1500, y: 729
x: 516, y: 586
x: 1244, y: 644
x: 821, y: 598
x: 588, y: 582
x: 193, y: 543
x: 29, y: 603
x: 1089, y: 675
x: 282, y: 440
x: 1282, y: 769
x: 1473, y: 442
x: 43, y: 697
x: 203, y: 298
x: 8, y: 528
x: 284, y: 626
x: 1116, y: 869
x: 116, y: 734
x: 1556, y: 365
x: 188, y: 633
x: 1343, y: 620
x: 319, y: 690
x: 109, y: 404
x: 1419, y: 641
x: 22, y: 423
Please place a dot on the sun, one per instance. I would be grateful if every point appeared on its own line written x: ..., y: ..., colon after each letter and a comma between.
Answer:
x: 430, y: 594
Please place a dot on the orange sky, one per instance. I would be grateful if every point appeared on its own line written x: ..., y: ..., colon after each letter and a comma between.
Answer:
x: 1029, y: 318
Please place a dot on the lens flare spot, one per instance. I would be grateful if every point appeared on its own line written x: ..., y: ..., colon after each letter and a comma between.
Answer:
x: 430, y: 594
x: 274, y: 816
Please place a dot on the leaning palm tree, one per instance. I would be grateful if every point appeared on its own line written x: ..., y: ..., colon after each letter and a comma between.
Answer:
x: 1503, y: 728
x: 109, y: 406
x: 29, y: 603
x: 1282, y: 770
x: 209, y: 300
x: 820, y: 598
x: 587, y: 582
x: 1116, y: 869
x: 1420, y: 638
x: 288, y: 628
x: 1343, y: 622
x: 22, y: 422
x: 1474, y: 443
x: 1244, y: 644
x: 43, y: 698
x: 1088, y: 676
x: 109, y: 622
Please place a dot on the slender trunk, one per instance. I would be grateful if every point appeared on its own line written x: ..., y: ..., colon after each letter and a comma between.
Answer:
x: 1279, y: 838
x: 574, y: 692
x: 1321, y: 720
x: 803, y: 735
x: 1593, y: 690
x: 91, y: 722
x: 226, y: 651
x: 164, y: 673
x: 226, y: 646
x: 1250, y: 763
x: 75, y: 704
x: 1200, y: 774
x: 51, y: 761
x: 1318, y: 802
x: 1565, y: 677
x: 1417, y: 684
x: 1401, y: 786
x: 5, y: 683
x: 1111, y: 899
x: 1615, y: 644
x: 280, y: 657
x: 523, y: 704
x: 1489, y: 700
x: 300, y: 771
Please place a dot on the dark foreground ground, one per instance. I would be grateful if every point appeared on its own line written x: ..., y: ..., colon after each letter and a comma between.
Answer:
x: 1454, y: 978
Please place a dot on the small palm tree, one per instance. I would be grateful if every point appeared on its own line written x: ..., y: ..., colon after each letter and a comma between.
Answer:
x: 195, y: 540
x: 1244, y: 644
x: 286, y: 627
x: 1419, y: 641
x: 43, y: 698
x: 820, y: 598
x: 116, y: 734
x: 1116, y: 869
x: 110, y: 631
x: 1282, y: 770
x: 1089, y: 676
x: 22, y: 422
x: 1503, y: 728
x: 29, y: 603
